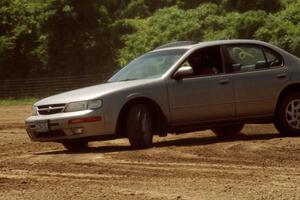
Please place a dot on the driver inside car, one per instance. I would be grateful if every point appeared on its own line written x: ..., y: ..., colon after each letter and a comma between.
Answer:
x: 201, y: 65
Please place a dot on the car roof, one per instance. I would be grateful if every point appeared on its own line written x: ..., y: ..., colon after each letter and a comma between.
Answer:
x: 192, y: 44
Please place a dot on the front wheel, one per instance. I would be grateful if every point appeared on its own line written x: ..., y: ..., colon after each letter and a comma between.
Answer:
x: 228, y: 131
x: 75, y: 145
x: 140, y: 127
x: 287, y: 116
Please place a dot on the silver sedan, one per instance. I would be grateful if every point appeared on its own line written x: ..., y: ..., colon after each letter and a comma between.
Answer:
x: 178, y: 88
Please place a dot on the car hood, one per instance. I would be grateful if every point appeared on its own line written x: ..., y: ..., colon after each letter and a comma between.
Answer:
x: 92, y: 92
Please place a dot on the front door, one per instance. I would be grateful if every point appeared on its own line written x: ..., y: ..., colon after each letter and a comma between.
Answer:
x: 205, y: 96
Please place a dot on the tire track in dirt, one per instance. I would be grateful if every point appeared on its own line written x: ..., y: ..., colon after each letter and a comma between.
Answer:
x: 259, y: 165
x: 121, y: 168
x: 26, y: 174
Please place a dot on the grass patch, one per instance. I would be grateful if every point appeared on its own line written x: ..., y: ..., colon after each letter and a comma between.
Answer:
x: 10, y: 102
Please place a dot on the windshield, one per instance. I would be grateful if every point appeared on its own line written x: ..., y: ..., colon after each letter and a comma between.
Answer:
x: 149, y: 65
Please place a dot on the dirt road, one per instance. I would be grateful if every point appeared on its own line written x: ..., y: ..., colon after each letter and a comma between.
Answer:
x: 256, y: 165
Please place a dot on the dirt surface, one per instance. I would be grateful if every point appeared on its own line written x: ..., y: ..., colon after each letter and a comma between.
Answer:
x: 257, y: 165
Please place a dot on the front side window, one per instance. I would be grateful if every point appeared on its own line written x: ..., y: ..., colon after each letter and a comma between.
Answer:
x: 250, y: 58
x: 149, y: 65
x: 206, y: 61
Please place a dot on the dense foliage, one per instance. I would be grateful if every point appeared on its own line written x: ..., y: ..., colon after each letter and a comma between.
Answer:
x: 75, y: 37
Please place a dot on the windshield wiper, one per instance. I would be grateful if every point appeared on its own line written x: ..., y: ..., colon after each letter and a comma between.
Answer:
x: 129, y: 79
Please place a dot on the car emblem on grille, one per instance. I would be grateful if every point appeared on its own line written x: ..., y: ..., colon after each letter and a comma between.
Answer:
x: 49, y: 109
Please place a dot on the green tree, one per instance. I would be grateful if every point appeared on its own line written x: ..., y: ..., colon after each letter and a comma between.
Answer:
x: 20, y: 37
x: 78, y: 37
x: 166, y: 25
x: 75, y: 37
x: 242, y: 5
x: 283, y: 29
x: 192, y: 4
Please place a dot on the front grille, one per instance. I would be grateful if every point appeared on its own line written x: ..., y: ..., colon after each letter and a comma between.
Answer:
x: 51, y: 109
x: 50, y: 134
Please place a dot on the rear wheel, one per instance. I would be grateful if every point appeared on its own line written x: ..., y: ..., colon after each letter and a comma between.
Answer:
x: 140, y: 126
x: 287, y: 116
x: 228, y: 131
x: 75, y: 145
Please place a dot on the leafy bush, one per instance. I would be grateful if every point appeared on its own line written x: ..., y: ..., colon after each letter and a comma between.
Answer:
x: 75, y: 37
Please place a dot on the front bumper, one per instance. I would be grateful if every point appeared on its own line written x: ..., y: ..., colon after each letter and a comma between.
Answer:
x: 63, y: 126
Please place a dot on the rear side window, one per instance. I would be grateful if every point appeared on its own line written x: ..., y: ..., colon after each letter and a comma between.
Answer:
x: 250, y: 58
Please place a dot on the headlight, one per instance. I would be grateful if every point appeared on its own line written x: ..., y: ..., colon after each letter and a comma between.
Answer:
x: 94, y: 104
x: 76, y: 106
x: 34, y: 111
x: 83, y: 105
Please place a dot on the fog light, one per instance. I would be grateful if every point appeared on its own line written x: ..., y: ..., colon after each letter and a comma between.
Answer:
x: 77, y: 130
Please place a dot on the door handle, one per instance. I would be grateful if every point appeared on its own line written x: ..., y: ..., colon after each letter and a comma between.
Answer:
x: 280, y: 76
x: 223, y: 81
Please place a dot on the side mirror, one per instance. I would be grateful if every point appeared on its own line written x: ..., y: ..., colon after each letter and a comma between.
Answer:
x: 183, y: 72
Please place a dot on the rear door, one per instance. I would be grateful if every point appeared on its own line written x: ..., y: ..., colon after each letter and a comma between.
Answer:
x: 258, y: 74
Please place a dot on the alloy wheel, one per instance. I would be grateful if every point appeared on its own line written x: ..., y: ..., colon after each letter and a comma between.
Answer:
x: 293, y: 113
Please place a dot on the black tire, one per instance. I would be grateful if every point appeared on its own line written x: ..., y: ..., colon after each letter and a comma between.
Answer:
x: 228, y: 131
x: 139, y: 126
x: 75, y: 145
x: 284, y: 117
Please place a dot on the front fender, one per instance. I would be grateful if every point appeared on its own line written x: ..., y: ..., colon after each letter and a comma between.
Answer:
x: 114, y: 103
